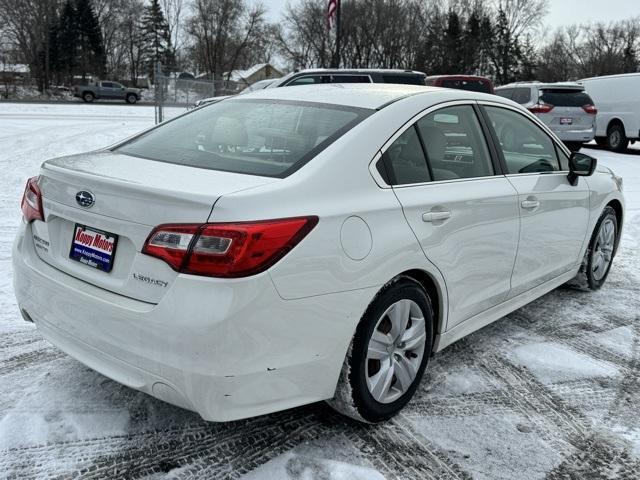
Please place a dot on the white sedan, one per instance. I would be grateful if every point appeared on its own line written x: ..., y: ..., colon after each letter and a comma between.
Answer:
x: 305, y: 244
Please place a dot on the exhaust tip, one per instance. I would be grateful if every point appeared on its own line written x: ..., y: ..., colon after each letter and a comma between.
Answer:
x: 26, y: 316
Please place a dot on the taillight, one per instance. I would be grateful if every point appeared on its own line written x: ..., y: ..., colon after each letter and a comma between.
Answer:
x: 31, y: 204
x: 590, y: 109
x: 227, y: 249
x: 540, y: 108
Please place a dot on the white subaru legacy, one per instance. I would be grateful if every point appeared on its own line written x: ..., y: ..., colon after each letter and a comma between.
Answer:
x: 302, y: 244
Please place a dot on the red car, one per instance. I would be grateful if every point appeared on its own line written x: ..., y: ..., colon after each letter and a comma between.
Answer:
x: 461, y: 82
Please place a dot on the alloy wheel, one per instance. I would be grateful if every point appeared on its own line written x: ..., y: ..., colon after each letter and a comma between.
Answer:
x: 603, y: 249
x: 395, y: 351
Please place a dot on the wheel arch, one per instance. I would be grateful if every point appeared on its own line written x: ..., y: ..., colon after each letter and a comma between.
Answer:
x: 617, y: 207
x: 616, y: 121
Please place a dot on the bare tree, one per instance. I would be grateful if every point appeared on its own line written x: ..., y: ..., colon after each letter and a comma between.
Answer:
x: 523, y: 15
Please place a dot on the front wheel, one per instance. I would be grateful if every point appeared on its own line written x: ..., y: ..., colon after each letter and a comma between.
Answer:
x: 388, y: 354
x: 131, y: 98
x: 599, y: 256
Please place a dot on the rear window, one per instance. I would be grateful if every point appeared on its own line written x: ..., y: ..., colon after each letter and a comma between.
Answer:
x: 471, y: 85
x: 403, y: 79
x: 256, y: 137
x: 565, y: 98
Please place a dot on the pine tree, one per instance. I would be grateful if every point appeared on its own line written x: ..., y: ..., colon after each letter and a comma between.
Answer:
x: 156, y: 38
x: 90, y: 51
x: 65, y: 53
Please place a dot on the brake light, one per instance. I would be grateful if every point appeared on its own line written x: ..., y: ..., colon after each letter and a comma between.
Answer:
x: 540, y: 108
x: 228, y: 250
x: 31, y: 204
x: 590, y: 109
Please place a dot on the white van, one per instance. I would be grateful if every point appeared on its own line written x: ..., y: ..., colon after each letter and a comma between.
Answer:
x: 617, y: 98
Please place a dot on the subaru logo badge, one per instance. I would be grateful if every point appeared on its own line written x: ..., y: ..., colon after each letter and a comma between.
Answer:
x: 85, y: 199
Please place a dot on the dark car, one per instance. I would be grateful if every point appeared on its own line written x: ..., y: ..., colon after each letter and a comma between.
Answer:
x: 461, y: 82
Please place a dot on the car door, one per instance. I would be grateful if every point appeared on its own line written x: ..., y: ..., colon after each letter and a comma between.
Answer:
x: 553, y: 214
x: 106, y: 89
x: 463, y: 214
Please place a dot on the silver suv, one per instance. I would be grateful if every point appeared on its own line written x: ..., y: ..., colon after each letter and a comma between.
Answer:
x: 564, y: 107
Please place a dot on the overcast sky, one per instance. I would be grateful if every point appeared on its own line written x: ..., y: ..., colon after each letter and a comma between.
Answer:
x: 561, y: 12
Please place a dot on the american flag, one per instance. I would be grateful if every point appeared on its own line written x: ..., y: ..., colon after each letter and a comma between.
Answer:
x: 332, y: 11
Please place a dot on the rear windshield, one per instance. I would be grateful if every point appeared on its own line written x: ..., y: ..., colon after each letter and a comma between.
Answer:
x: 565, y: 98
x: 257, y: 137
x: 471, y: 85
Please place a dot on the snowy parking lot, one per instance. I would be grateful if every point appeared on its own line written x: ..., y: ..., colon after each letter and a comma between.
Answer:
x: 551, y: 391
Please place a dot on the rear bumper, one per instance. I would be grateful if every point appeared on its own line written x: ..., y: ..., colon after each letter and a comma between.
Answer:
x: 225, y: 349
x: 576, y: 135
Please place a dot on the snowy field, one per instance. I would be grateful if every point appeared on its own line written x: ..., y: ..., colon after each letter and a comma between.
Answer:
x: 551, y: 391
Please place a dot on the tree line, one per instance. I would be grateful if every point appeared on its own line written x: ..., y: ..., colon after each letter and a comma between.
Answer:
x: 63, y: 40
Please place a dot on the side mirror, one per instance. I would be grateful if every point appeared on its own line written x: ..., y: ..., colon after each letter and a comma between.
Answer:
x: 580, y: 165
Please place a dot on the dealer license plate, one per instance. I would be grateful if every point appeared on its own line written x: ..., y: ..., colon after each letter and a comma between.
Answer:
x: 95, y: 248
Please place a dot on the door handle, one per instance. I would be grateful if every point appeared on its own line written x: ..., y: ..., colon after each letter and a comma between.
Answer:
x: 430, y: 217
x: 530, y: 204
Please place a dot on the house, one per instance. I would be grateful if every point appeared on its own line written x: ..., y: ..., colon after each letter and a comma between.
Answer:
x: 261, y: 71
x: 10, y: 72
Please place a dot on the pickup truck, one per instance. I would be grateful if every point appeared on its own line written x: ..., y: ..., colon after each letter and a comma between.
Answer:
x: 106, y: 90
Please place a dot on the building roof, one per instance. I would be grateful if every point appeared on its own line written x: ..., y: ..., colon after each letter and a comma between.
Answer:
x: 240, y: 75
x: 14, y: 68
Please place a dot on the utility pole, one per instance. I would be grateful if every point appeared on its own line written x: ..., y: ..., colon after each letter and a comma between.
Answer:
x: 336, y: 57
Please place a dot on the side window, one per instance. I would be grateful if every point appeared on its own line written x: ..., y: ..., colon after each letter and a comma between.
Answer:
x: 106, y: 85
x: 522, y: 95
x: 403, y: 163
x: 350, y: 79
x: 309, y: 80
x: 505, y: 92
x: 455, y: 144
x: 526, y: 147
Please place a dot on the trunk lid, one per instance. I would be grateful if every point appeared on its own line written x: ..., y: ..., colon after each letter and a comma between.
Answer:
x: 130, y: 196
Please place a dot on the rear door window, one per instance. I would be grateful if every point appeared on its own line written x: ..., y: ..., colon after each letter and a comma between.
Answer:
x: 455, y: 144
x: 505, y: 92
x: 350, y: 79
x: 403, y: 79
x: 560, y: 97
x: 309, y: 80
x: 521, y: 95
x: 256, y: 137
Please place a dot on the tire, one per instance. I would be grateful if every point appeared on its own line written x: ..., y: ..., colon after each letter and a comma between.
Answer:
x: 131, y: 98
x: 616, y: 138
x: 601, y: 141
x: 573, y: 146
x: 397, y: 360
x: 600, y: 253
x: 88, y: 97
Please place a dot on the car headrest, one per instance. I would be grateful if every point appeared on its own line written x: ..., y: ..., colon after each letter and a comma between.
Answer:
x: 229, y: 131
x: 434, y: 141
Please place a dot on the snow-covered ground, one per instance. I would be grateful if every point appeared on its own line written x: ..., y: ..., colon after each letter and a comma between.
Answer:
x: 550, y: 391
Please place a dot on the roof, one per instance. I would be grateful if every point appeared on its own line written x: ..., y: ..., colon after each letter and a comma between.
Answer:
x: 619, y: 75
x: 360, y: 95
x: 561, y: 85
x: 239, y: 75
x: 14, y: 67
x: 460, y: 76
x: 357, y: 70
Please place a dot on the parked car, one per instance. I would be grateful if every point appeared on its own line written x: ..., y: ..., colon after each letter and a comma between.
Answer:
x: 323, y: 75
x: 564, y: 107
x: 461, y: 82
x: 259, y: 85
x: 618, y: 101
x: 106, y: 90
x: 302, y: 244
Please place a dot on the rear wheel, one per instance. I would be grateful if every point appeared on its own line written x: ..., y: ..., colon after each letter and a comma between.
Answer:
x: 88, y: 97
x: 131, y: 98
x: 616, y: 138
x: 599, y: 256
x: 388, y: 354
